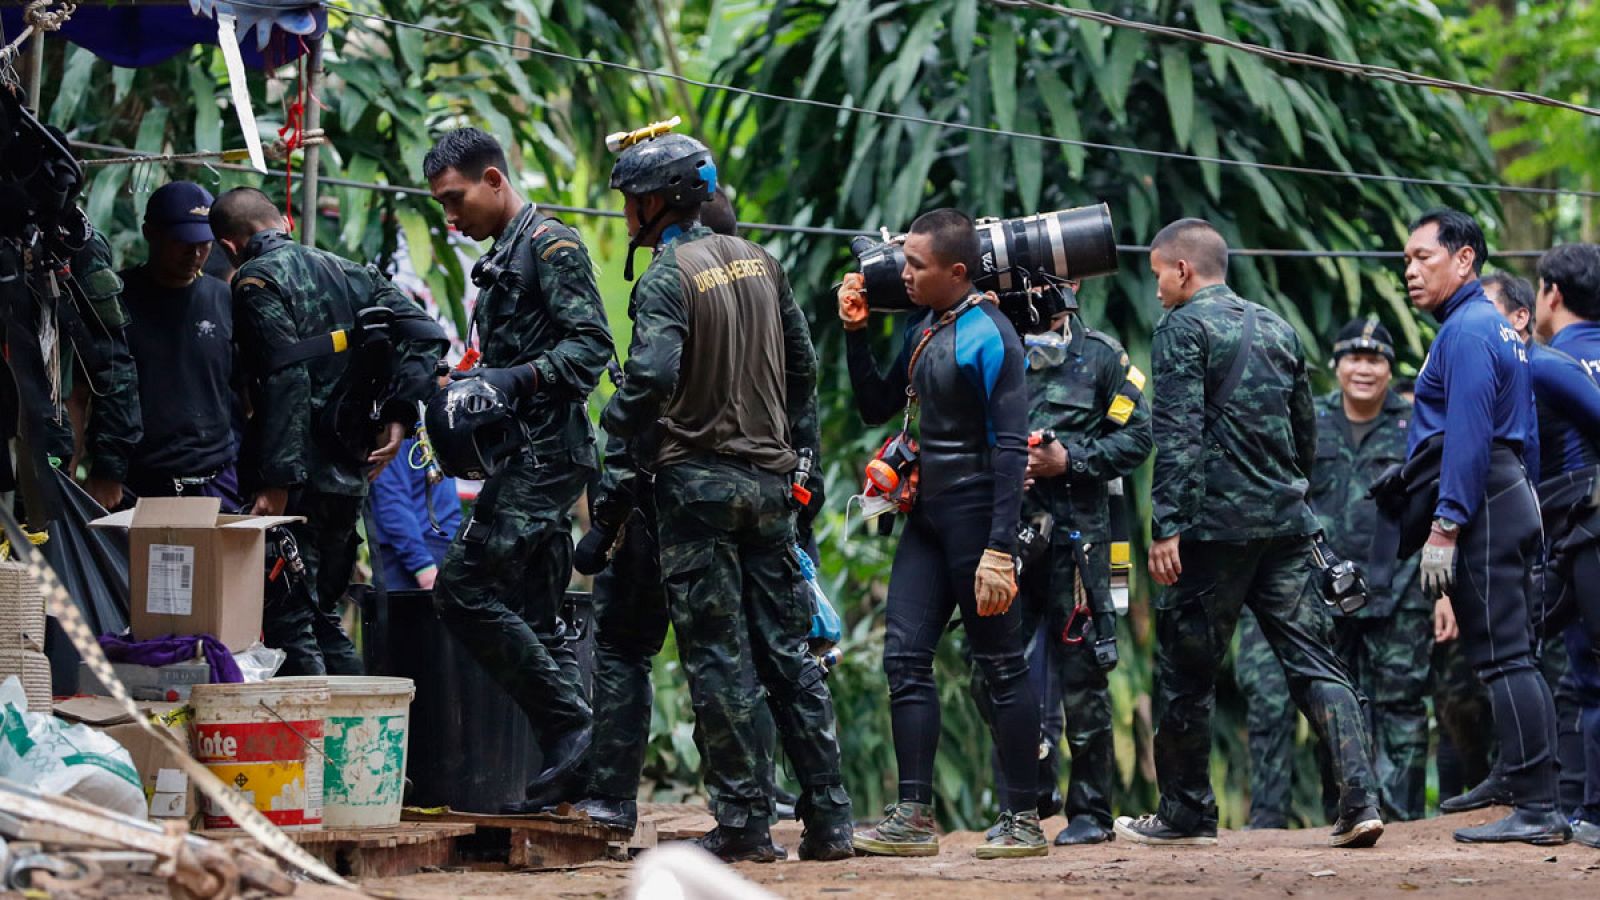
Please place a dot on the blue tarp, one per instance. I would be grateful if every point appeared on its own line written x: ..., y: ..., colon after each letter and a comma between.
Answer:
x: 146, y: 35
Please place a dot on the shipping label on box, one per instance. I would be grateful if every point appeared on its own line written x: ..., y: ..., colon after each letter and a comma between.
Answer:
x: 171, y: 587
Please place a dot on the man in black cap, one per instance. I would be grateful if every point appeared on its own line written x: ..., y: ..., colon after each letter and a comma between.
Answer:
x: 181, y: 335
x: 1361, y: 431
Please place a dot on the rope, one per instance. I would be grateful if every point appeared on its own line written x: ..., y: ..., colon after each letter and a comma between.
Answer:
x: 960, y: 126
x: 1363, y: 70
x: 37, y: 21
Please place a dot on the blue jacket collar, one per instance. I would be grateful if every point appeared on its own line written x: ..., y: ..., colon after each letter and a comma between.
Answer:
x: 1574, y: 332
x: 1472, y: 290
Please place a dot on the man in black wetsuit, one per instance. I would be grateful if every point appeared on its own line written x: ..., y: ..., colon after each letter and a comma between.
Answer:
x: 962, y: 365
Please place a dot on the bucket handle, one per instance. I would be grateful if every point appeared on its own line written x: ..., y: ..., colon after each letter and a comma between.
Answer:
x: 292, y: 730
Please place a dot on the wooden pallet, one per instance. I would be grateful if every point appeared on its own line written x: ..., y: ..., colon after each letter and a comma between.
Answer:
x: 376, y: 852
x: 538, y: 841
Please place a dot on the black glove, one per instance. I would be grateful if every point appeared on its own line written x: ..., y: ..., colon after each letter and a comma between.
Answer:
x: 808, y: 513
x: 515, y: 382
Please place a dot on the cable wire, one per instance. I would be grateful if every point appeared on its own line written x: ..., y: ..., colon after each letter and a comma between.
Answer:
x: 206, y: 160
x: 1376, y: 177
x: 1384, y: 73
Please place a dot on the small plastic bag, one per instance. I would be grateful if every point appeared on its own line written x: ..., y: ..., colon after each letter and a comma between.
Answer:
x: 826, y: 626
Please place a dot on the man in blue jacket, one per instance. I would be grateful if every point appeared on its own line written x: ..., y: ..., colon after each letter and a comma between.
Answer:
x: 414, y: 520
x: 1568, y: 319
x: 1485, y: 534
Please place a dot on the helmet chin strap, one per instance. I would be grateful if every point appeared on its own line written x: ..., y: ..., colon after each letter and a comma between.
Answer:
x: 633, y: 242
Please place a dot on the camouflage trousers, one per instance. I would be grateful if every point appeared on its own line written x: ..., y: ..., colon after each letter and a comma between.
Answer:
x: 310, y: 632
x: 727, y: 538
x: 501, y: 587
x: 1386, y: 658
x: 1195, y: 620
x: 1073, y: 691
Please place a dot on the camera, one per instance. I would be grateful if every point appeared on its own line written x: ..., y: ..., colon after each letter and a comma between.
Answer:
x: 1026, y: 262
x: 1340, y: 580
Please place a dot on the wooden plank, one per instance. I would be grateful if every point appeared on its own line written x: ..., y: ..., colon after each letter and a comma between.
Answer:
x: 550, y: 823
x: 376, y: 852
x: 546, y: 849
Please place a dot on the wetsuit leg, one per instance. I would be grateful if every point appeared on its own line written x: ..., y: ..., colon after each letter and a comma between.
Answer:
x: 1583, y: 661
x: 1491, y: 600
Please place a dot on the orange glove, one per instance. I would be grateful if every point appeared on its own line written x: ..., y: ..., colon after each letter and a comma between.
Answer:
x: 853, y: 302
x: 995, y: 583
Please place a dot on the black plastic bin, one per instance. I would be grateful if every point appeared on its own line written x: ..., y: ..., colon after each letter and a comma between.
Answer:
x: 471, y: 747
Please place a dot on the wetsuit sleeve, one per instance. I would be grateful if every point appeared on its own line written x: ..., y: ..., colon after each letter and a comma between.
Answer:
x: 394, y: 513
x: 1469, y: 385
x: 989, y: 352
x: 283, y: 411
x: 1303, y: 418
x: 1178, y: 358
x: 799, y: 370
x: 879, y: 395
x: 566, y: 277
x: 1123, y: 439
x: 660, y: 327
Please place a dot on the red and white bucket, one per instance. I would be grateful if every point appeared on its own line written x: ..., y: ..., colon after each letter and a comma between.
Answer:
x: 264, y: 740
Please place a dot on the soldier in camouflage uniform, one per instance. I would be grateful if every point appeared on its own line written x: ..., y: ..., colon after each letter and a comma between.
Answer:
x: 1235, y: 432
x: 294, y: 311
x: 113, y: 427
x: 1361, y: 431
x: 542, y: 332
x: 1084, y: 390
x: 719, y: 394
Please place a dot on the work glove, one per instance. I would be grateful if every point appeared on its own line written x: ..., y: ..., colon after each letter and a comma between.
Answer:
x: 515, y: 382
x: 1438, y: 563
x: 995, y: 583
x: 853, y: 302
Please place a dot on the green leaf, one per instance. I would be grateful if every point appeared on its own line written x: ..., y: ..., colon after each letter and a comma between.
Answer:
x: 1205, y: 144
x: 1028, y: 158
x: 1127, y: 47
x: 1063, y: 115
x: 964, y: 30
x: 1208, y: 14
x: 1178, y: 83
x: 207, y: 115
x: 121, y: 81
x: 71, y: 92
x: 419, y: 239
x: 908, y: 61
x: 1003, y: 72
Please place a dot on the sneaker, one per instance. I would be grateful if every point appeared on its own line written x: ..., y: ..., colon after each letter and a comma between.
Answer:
x: 1357, y: 829
x: 1152, y: 829
x: 907, y: 829
x: 749, y: 844
x: 1019, y: 836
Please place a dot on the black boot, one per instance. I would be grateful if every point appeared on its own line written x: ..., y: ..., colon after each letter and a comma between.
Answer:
x: 828, y: 834
x: 617, y: 815
x: 1542, y: 827
x: 1492, y: 791
x: 752, y: 843
x: 1083, y: 830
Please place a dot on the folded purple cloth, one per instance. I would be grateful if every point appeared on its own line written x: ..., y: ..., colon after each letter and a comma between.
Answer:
x: 174, y: 649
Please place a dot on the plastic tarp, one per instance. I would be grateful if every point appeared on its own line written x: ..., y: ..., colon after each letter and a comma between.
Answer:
x: 272, y: 32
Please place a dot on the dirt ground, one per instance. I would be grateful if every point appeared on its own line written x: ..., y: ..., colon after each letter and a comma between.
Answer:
x: 1412, y: 857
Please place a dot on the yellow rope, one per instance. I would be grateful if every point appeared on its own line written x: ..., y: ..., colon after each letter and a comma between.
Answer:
x: 36, y: 538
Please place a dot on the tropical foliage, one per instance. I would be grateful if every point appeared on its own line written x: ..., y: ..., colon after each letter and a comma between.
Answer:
x: 975, y: 64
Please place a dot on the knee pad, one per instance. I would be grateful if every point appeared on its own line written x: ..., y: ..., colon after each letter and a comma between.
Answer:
x: 1004, y: 673
x: 906, y: 672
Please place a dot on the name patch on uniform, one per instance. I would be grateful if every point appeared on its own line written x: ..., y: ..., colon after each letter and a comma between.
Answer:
x: 728, y: 274
x: 1135, y: 377
x: 251, y: 282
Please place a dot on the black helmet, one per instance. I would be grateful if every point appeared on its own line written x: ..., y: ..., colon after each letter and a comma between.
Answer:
x: 674, y: 165
x: 472, y: 428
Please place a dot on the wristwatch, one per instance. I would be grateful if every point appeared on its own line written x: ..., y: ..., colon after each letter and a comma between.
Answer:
x: 1446, y: 527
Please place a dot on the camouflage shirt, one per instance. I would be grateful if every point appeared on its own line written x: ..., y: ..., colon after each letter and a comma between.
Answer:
x: 1339, y: 483
x: 546, y: 310
x: 114, y: 427
x: 283, y: 293
x: 1246, y: 476
x: 755, y: 397
x: 1094, y: 401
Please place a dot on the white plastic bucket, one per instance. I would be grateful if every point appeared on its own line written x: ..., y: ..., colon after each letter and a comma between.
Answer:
x: 264, y: 739
x: 364, y: 742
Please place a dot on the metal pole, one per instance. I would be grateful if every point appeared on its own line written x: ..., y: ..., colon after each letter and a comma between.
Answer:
x: 36, y: 71
x: 308, y: 203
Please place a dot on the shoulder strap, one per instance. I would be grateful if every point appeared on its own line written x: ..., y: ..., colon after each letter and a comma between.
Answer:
x: 1217, y: 403
x: 944, y: 322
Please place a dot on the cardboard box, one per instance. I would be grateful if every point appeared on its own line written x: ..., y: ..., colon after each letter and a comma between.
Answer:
x: 169, y: 791
x: 161, y: 683
x: 192, y: 570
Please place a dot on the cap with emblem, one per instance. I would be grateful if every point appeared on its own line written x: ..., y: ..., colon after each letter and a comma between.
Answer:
x: 181, y: 210
x: 1364, y: 336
